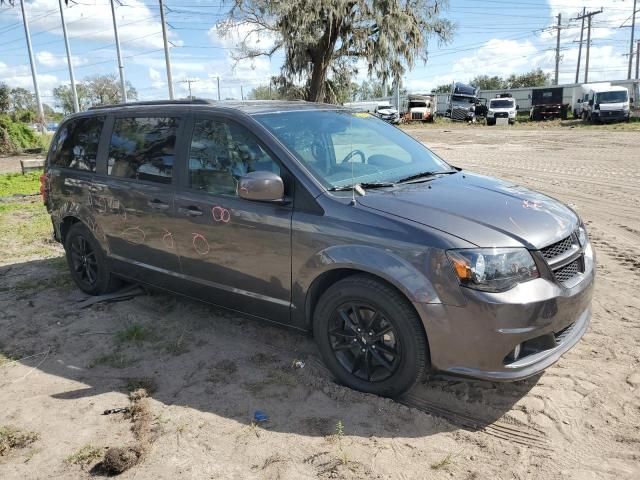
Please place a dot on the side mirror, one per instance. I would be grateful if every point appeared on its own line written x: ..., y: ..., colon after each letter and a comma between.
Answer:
x: 261, y: 186
x: 591, y: 103
x: 517, y: 107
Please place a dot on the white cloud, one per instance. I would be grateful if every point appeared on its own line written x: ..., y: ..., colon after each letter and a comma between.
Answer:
x: 51, y: 60
x: 20, y: 76
x: 91, y: 21
x: 614, y: 13
x: 495, y: 57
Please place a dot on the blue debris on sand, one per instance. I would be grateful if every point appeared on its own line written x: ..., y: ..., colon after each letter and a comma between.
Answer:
x: 259, y: 416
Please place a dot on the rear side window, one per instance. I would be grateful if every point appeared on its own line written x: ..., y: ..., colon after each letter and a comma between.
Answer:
x: 76, y: 144
x: 143, y: 148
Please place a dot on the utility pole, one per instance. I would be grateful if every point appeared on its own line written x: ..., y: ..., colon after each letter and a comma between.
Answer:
x: 34, y: 73
x: 166, y: 51
x: 189, y: 81
x: 633, y: 27
x: 559, y: 27
x: 74, y: 94
x: 580, y: 47
x: 586, y: 66
x: 218, y: 79
x: 638, y: 61
x: 588, y: 17
x: 241, y: 93
x: 123, y: 87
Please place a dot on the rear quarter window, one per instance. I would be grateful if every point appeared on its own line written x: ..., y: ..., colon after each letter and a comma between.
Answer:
x: 76, y: 144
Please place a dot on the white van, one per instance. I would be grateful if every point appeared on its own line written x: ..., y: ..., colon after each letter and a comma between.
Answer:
x: 605, y: 103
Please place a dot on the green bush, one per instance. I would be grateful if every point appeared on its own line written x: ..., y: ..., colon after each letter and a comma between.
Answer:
x: 17, y: 136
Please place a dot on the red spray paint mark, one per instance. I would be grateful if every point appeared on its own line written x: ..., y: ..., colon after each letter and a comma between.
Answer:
x: 220, y: 214
x: 167, y: 239
x: 200, y: 244
x: 134, y: 235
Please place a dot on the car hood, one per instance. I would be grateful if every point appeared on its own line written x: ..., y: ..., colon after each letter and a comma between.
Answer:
x: 484, y: 211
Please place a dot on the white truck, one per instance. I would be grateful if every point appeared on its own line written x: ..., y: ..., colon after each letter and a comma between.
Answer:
x: 501, y: 109
x: 603, y: 102
x: 420, y: 108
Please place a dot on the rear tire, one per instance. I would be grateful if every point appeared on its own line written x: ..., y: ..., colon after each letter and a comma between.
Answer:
x: 87, y: 262
x: 370, y: 337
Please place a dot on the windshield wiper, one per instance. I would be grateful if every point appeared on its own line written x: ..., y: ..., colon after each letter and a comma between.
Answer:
x: 416, y: 176
x: 367, y: 185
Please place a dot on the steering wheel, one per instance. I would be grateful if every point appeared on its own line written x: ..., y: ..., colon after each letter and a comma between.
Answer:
x: 353, y: 153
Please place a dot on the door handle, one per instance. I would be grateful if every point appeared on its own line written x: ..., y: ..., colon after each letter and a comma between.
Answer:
x: 191, y: 211
x: 158, y: 205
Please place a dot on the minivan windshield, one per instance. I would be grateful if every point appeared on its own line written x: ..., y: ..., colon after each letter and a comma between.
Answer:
x: 612, y: 97
x: 343, y: 148
x: 501, y: 104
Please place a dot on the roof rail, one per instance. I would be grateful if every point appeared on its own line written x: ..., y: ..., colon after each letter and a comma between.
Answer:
x: 193, y: 101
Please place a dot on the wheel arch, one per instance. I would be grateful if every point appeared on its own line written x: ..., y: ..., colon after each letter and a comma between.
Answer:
x: 330, y: 277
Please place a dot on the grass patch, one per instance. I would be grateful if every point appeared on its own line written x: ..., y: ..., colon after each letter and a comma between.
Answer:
x: 59, y: 281
x: 12, y: 438
x: 113, y: 360
x: 134, y: 334
x: 4, y: 359
x: 148, y: 384
x: 19, y: 184
x: 26, y: 230
x: 83, y: 457
x: 443, y: 464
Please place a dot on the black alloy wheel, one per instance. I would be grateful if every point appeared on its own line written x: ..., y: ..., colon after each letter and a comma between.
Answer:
x: 83, y: 261
x: 87, y: 262
x: 370, y: 336
x: 365, y: 342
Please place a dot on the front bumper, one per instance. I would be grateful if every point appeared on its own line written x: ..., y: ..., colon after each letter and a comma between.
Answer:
x: 477, y: 339
x: 610, y: 115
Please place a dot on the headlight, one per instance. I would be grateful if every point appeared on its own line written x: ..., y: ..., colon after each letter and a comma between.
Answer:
x: 582, y: 236
x: 493, y: 269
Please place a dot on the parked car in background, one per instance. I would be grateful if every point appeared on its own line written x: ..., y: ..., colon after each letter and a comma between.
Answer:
x: 327, y: 220
x: 387, y: 112
x: 502, y: 107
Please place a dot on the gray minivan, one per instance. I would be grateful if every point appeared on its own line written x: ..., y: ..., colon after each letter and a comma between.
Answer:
x: 329, y: 221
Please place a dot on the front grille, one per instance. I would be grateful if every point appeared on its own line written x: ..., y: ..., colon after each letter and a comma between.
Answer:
x: 558, y: 248
x: 459, y: 114
x: 416, y: 115
x: 561, y: 335
x: 501, y: 115
x: 569, y: 271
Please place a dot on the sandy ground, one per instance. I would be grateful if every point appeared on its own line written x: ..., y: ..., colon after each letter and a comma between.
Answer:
x: 210, y: 370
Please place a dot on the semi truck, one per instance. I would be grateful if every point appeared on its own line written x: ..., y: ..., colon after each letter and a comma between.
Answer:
x: 463, y: 101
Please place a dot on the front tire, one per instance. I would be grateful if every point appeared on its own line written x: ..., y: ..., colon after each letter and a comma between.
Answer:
x: 87, y: 262
x: 370, y: 337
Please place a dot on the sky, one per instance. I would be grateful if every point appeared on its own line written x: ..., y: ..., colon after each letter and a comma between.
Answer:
x: 492, y: 37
